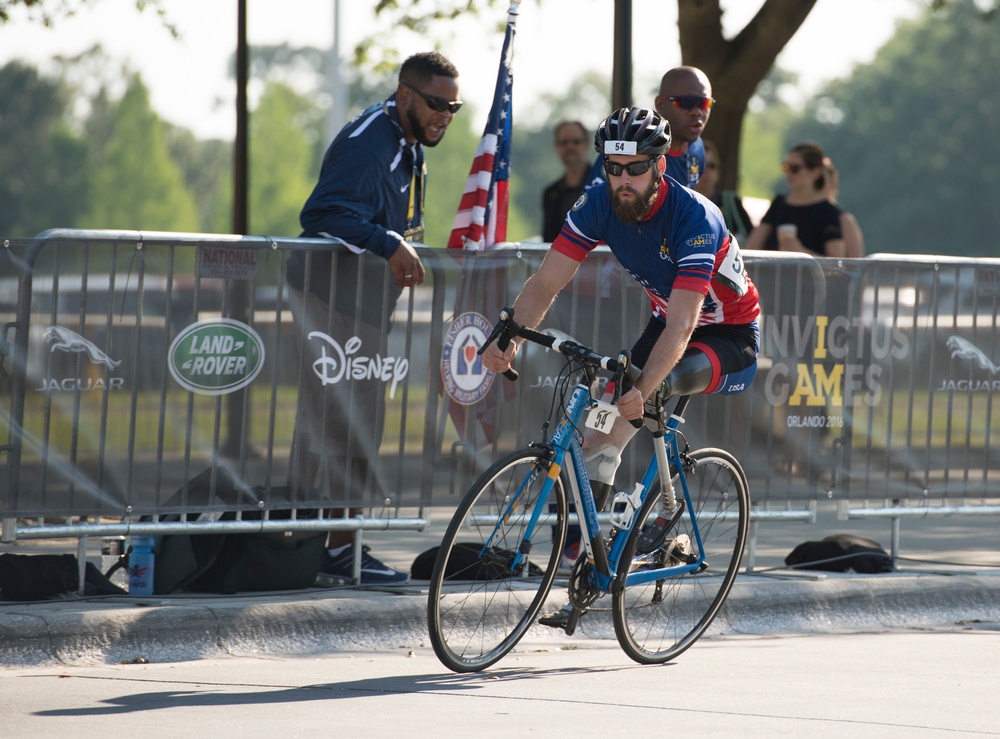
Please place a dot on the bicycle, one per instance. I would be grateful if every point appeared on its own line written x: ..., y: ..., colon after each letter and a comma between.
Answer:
x: 485, y: 594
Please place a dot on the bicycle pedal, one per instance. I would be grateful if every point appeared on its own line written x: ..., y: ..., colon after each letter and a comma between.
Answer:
x: 574, y: 619
x: 556, y: 619
x: 566, y: 618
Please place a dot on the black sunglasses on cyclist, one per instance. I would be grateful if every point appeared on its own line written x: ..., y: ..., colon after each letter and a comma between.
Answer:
x: 691, y: 101
x: 435, y: 102
x: 634, y: 169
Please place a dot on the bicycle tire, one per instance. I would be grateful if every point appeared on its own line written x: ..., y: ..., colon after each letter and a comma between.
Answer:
x: 478, y: 612
x: 657, y: 621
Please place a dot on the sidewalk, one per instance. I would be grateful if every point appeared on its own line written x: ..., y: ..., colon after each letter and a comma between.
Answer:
x: 935, y: 592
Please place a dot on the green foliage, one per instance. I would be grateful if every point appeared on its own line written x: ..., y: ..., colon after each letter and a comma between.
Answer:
x: 207, y: 170
x: 44, y: 164
x: 762, y: 147
x: 282, y: 159
x: 534, y: 163
x: 914, y: 137
x: 48, y: 12
x: 135, y: 184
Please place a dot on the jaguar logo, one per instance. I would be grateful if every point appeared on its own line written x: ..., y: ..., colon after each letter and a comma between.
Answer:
x: 64, y: 340
x: 963, y: 349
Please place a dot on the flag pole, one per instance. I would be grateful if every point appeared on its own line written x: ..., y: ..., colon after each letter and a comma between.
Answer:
x: 481, y: 219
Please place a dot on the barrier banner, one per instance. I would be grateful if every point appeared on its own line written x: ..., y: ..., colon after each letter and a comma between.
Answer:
x: 130, y: 363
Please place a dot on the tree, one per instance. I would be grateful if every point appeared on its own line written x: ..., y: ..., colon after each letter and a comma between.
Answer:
x: 48, y: 12
x: 206, y: 168
x: 736, y: 66
x: 135, y: 184
x: 43, y: 162
x: 914, y: 136
x: 304, y: 120
x: 281, y: 160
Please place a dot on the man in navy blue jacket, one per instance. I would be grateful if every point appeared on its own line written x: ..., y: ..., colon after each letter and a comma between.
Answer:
x: 369, y: 199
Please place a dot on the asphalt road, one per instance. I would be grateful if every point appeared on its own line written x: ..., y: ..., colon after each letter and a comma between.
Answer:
x: 910, y: 684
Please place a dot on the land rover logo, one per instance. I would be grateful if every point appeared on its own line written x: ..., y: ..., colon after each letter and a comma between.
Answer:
x: 216, y: 357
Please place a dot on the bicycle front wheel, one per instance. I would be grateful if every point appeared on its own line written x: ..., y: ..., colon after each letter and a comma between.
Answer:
x: 480, y: 603
x: 656, y: 621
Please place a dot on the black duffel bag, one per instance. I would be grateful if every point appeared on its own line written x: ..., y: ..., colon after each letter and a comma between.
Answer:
x: 231, y: 563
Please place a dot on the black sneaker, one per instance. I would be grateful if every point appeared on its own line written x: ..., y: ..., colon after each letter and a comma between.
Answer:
x: 339, y: 569
x: 653, y: 534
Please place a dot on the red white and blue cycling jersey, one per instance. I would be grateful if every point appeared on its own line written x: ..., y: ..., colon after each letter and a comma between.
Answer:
x: 683, y: 242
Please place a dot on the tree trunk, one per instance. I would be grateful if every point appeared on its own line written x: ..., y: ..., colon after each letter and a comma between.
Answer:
x: 735, y: 66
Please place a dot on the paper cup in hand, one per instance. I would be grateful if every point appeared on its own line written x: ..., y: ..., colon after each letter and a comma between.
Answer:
x: 787, y: 230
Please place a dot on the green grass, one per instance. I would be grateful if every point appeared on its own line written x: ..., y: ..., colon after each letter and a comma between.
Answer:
x: 196, y: 420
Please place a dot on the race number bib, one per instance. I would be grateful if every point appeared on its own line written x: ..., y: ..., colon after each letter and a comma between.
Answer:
x: 731, y: 272
x: 628, y: 148
x: 602, y: 416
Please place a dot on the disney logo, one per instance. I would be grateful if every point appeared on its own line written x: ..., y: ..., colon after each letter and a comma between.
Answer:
x: 338, y: 363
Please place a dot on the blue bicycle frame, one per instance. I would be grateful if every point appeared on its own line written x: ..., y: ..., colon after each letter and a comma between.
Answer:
x: 605, y: 564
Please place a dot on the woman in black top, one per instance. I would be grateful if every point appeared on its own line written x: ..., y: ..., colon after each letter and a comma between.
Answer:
x: 804, y: 220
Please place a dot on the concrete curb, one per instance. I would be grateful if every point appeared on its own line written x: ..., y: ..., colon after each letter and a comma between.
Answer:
x: 323, y: 621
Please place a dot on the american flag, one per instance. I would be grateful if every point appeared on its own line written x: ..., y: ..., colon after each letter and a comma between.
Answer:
x: 481, y: 220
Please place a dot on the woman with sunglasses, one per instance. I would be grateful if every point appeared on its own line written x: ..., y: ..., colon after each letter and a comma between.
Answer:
x: 804, y: 220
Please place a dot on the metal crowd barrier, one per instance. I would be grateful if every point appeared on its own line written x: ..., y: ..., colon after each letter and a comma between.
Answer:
x: 132, y: 362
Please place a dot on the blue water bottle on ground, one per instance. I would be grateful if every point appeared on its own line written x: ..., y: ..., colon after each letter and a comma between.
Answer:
x: 141, y: 565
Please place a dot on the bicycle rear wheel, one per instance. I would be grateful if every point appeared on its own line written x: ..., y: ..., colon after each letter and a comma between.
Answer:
x: 656, y: 621
x: 478, y: 608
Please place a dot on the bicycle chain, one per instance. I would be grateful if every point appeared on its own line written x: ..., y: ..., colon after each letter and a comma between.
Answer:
x: 582, y: 595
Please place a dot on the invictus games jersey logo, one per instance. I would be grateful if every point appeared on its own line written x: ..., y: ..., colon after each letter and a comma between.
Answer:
x: 701, y: 240
x: 580, y: 201
x: 216, y: 357
x: 465, y: 378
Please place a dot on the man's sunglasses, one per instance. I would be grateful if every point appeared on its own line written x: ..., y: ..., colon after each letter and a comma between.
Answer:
x: 635, y: 168
x: 435, y: 102
x: 691, y: 101
x: 792, y: 168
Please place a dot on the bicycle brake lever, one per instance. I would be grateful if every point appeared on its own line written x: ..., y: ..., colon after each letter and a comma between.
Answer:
x: 626, y: 374
x: 503, y: 342
x: 499, y: 334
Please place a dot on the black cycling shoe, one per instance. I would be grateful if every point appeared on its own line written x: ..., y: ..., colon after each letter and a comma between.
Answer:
x: 557, y: 619
x: 653, y: 534
x: 565, y: 618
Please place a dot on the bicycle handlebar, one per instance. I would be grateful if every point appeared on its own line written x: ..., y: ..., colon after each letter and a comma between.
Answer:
x: 508, y: 329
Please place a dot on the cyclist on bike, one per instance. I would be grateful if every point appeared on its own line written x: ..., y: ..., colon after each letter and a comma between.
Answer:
x: 702, y: 336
